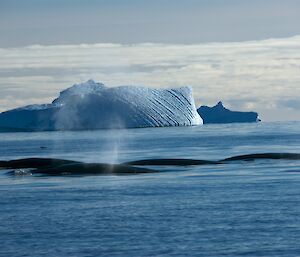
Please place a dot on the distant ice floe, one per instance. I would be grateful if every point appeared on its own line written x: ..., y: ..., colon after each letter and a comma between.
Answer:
x: 92, y: 105
x: 220, y: 114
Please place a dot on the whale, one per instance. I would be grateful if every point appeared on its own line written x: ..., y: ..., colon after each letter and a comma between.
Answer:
x: 34, y: 163
x: 92, y: 169
x: 273, y: 156
x: 170, y: 162
x: 292, y: 171
x: 188, y: 162
x: 53, y: 166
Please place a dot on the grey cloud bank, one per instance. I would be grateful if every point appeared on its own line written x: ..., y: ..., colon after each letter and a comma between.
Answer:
x: 134, y: 21
x: 255, y: 75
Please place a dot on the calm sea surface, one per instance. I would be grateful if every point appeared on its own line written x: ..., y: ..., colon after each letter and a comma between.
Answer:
x: 238, y: 209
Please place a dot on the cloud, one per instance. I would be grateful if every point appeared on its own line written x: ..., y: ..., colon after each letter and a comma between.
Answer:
x: 292, y: 103
x: 255, y: 75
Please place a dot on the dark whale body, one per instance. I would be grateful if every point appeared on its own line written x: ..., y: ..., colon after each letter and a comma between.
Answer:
x: 92, y: 169
x: 274, y: 156
x: 188, y: 162
x: 55, y: 167
x: 291, y: 171
x: 49, y: 166
x: 34, y: 163
x: 170, y: 162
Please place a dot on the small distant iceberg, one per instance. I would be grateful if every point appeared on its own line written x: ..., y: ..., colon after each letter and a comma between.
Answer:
x: 219, y: 114
x: 91, y: 105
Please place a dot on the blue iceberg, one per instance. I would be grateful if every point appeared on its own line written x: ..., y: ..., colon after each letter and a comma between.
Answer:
x: 92, y: 105
x: 219, y: 114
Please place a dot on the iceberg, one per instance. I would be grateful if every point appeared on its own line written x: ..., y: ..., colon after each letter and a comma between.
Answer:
x: 92, y: 105
x: 219, y: 114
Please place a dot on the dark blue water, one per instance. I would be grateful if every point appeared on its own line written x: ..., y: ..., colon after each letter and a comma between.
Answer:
x: 237, y: 209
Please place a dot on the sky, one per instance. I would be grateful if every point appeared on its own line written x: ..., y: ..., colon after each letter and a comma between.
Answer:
x: 245, y: 53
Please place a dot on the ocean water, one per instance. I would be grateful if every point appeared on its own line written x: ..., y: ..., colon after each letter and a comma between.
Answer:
x: 235, y: 209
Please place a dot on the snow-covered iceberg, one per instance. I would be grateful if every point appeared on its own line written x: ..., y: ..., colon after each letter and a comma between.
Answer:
x: 92, y: 105
x: 219, y: 114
